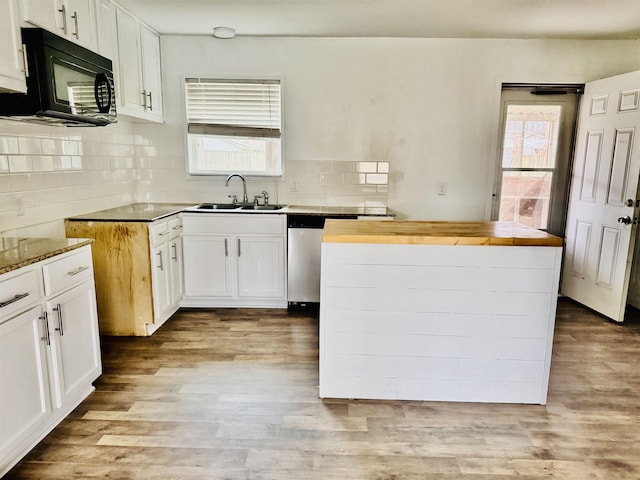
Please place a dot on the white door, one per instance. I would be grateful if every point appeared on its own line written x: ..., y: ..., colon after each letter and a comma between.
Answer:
x: 151, y: 74
x: 600, y: 221
x: 11, y: 62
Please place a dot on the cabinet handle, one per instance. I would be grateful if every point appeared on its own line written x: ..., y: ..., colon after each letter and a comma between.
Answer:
x: 161, y: 266
x: 20, y: 296
x: 177, y: 227
x: 63, y: 11
x: 45, y: 328
x: 175, y: 252
x: 162, y: 234
x: 144, y: 99
x: 75, y: 21
x: 58, y: 309
x: 75, y: 272
x: 150, y: 101
x: 26, y: 63
x: 239, y: 249
x: 226, y: 247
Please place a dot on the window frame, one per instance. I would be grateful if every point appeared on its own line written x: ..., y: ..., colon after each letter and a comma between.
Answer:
x: 224, y: 173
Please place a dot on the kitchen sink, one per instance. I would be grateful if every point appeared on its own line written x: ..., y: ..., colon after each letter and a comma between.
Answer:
x: 237, y: 206
x: 218, y: 206
x: 262, y: 207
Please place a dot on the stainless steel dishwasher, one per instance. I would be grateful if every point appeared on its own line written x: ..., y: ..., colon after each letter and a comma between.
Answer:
x: 304, y: 237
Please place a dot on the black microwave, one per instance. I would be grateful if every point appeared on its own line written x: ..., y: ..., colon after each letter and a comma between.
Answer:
x: 67, y: 84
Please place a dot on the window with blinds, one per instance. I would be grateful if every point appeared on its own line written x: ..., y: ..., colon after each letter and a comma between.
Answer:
x: 233, y: 126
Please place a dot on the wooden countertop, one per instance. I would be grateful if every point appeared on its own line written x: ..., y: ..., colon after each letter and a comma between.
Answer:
x: 437, y: 233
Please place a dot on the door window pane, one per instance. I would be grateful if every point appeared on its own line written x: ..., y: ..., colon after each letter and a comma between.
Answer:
x: 525, y: 198
x: 531, y: 136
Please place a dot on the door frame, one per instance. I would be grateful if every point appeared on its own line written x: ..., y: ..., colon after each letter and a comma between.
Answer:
x: 562, y: 174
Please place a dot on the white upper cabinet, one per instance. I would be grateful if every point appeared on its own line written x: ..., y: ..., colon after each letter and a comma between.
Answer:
x: 74, y: 20
x: 139, y: 59
x: 12, y: 76
x: 107, y: 30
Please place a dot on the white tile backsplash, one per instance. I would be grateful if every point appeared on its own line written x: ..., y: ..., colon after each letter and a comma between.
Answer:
x: 58, y: 172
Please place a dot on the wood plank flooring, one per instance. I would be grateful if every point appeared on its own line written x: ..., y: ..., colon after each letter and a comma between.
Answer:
x: 232, y: 394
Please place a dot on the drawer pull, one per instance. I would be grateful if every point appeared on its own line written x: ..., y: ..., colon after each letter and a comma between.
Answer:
x: 77, y: 271
x: 162, y: 234
x: 45, y: 329
x: 58, y: 309
x: 177, y: 227
x: 14, y: 299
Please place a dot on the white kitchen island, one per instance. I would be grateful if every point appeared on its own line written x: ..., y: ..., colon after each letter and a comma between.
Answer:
x: 445, y: 311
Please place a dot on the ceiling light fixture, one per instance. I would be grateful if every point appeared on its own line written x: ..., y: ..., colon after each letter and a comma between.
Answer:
x: 224, y: 32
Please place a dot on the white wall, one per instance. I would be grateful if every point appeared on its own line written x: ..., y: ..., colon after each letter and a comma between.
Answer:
x: 429, y: 107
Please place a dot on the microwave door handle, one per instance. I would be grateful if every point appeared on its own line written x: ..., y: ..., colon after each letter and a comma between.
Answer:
x: 100, y: 83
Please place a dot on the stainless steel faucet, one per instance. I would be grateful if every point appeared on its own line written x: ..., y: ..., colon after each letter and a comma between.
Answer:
x: 245, y: 199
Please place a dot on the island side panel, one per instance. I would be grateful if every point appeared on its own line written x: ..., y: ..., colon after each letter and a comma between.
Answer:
x: 437, y: 322
x: 122, y: 273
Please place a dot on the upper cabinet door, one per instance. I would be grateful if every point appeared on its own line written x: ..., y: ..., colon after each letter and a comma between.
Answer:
x: 151, y: 72
x: 47, y: 14
x: 74, y: 20
x: 130, y: 55
x: 12, y: 76
x: 81, y: 19
x: 139, y: 62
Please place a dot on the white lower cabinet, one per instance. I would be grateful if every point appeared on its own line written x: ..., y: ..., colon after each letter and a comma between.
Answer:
x: 234, y: 260
x: 75, y: 341
x: 166, y: 268
x: 49, y: 348
x: 25, y: 403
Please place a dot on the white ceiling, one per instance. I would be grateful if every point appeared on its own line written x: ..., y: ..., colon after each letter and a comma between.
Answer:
x: 580, y: 19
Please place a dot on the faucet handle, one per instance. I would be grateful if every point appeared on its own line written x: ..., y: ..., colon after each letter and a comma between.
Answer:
x: 266, y: 197
x: 234, y: 199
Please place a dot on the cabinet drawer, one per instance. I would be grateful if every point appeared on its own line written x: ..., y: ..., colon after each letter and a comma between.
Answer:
x: 69, y: 270
x: 19, y: 291
x: 159, y: 232
x: 235, y: 224
x: 175, y: 227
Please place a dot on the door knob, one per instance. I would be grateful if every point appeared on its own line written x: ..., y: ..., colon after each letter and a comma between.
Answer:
x: 626, y: 220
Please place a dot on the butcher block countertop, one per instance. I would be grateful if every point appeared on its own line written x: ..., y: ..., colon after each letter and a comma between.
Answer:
x: 437, y: 233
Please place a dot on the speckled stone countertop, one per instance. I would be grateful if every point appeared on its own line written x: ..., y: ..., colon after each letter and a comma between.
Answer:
x: 135, y: 212
x: 150, y: 212
x: 20, y: 252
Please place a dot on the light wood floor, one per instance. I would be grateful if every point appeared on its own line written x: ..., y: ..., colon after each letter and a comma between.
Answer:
x: 232, y: 394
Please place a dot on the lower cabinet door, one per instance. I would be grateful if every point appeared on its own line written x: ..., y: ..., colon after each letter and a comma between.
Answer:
x: 160, y: 271
x: 176, y: 270
x: 24, y: 383
x: 260, y: 266
x: 207, y: 266
x: 75, y: 343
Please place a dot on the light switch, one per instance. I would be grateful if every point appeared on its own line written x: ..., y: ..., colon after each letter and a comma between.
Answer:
x: 441, y: 188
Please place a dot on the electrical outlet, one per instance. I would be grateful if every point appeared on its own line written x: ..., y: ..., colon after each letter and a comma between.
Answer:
x: 441, y: 188
x: 293, y: 186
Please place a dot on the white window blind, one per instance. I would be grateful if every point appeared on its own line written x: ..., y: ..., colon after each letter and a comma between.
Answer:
x: 233, y: 126
x: 233, y: 107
